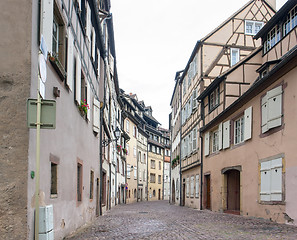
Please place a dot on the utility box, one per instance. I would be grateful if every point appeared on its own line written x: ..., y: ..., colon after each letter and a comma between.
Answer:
x: 46, y: 223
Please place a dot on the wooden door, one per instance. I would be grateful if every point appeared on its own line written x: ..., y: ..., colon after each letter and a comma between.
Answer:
x: 208, y: 196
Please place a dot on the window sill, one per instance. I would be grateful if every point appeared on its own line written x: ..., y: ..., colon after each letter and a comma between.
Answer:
x: 272, y: 203
x: 53, y: 196
x: 58, y: 67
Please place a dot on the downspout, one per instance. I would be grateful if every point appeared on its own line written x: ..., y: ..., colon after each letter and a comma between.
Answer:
x: 137, y: 175
x: 147, y: 194
x: 180, y: 149
x: 170, y: 187
x: 201, y: 157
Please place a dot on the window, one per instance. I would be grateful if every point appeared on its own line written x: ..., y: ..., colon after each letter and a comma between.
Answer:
x: 134, y: 151
x: 190, y: 142
x: 153, y: 148
x: 271, y: 180
x: 253, y: 27
x: 135, y: 172
x: 128, y: 170
x: 239, y: 130
x: 127, y: 125
x: 159, y: 179
x: 214, y: 99
x: 291, y: 21
x: 272, y: 38
x: 192, y: 186
x: 158, y: 150
x: 160, y: 167
x: 144, y: 175
x: 154, y: 193
x: 127, y: 148
x: 234, y: 55
x: 79, y: 182
x: 152, y: 178
x: 54, y: 179
x: 153, y: 164
x: 92, y: 184
x: 194, y: 99
x: 197, y: 186
x: 271, y: 108
x: 215, y: 141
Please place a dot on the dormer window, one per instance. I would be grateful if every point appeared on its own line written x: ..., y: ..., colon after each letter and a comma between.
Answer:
x: 272, y: 38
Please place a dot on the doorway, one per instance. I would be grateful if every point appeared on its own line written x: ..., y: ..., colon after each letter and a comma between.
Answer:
x: 159, y: 194
x: 173, y: 192
x: 97, y: 197
x: 233, y: 191
x: 184, y: 195
x: 207, y: 196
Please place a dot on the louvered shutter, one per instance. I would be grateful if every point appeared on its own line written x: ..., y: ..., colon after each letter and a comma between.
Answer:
x: 96, y: 115
x: 276, y: 180
x: 78, y: 80
x: 265, y: 181
x: 89, y: 101
x: 264, y: 111
x: 226, y: 134
x: 194, y: 104
x: 70, y: 60
x: 248, y: 116
x: 47, y: 16
x: 206, y: 144
x: 93, y: 43
x: 197, y: 186
x: 88, y: 21
x: 194, y: 139
x: 274, y: 99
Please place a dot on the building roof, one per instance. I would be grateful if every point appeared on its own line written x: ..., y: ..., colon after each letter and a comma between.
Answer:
x: 276, y: 18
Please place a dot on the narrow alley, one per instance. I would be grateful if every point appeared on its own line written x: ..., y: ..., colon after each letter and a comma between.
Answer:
x: 160, y: 220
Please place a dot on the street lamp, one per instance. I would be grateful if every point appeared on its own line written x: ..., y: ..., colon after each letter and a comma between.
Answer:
x: 117, y: 133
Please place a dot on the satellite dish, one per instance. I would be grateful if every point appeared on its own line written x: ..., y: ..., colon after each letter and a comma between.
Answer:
x: 42, y: 67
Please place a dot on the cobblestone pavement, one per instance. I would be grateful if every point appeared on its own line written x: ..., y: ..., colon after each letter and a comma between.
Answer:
x: 159, y: 220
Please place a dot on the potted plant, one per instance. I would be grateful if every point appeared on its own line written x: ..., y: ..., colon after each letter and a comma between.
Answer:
x: 119, y: 147
x: 83, y: 107
x: 125, y: 151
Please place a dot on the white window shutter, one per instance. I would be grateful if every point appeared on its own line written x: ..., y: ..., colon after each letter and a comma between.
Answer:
x: 248, y: 117
x: 220, y: 136
x: 265, y: 181
x: 88, y: 21
x: 276, y: 179
x: 128, y: 170
x: 194, y: 98
x: 96, y: 115
x: 197, y: 186
x: 190, y: 143
x: 226, y: 134
x: 70, y: 59
x: 192, y: 186
x: 264, y: 111
x: 93, y: 43
x: 274, y: 98
x: 89, y: 100
x: 78, y: 80
x: 47, y: 17
x: 206, y: 144
x: 194, y: 134
x: 99, y: 61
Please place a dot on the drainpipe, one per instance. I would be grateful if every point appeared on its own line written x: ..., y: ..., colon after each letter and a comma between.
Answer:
x: 137, y: 175
x: 201, y: 157
x: 170, y: 187
x: 180, y: 149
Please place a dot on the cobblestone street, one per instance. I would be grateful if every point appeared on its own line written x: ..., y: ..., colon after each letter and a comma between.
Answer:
x: 159, y: 220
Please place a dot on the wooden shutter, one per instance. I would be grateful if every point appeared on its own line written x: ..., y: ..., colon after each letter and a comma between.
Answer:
x: 220, y: 132
x: 265, y: 181
x: 187, y: 189
x: 128, y: 170
x: 93, y: 43
x: 248, y: 123
x: 194, y: 139
x: 47, y: 17
x: 78, y: 80
x: 194, y: 104
x: 226, y: 134
x: 192, y: 186
x: 264, y: 111
x: 276, y: 180
x: 197, y: 186
x: 88, y: 21
x: 96, y: 115
x: 274, y: 99
x: 70, y: 60
x: 206, y: 144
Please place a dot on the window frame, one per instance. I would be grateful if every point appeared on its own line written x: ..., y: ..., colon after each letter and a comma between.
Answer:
x: 214, y: 102
x: 240, y: 130
x: 253, y: 24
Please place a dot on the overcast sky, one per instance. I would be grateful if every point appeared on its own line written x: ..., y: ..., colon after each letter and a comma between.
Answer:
x: 155, y: 38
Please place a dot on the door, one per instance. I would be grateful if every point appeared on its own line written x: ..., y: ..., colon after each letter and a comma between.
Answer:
x: 173, y: 192
x: 141, y: 194
x: 159, y: 194
x: 184, y: 195
x: 233, y: 191
x: 207, y: 186
x: 97, y: 197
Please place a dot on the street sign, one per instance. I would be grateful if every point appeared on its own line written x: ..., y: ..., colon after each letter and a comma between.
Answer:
x: 48, y: 113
